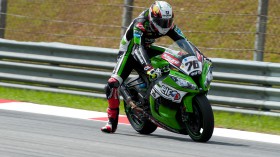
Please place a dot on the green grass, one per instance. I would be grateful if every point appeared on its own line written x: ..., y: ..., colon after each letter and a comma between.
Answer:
x: 247, y: 122
x: 264, y: 124
x: 200, y: 21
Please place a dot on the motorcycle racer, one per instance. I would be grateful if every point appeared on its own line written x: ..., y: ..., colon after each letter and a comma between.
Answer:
x: 135, y: 52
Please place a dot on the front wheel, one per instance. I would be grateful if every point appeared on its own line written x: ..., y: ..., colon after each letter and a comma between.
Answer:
x: 141, y: 126
x: 200, y: 123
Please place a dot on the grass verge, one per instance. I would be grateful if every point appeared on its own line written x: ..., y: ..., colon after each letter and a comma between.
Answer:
x: 263, y: 124
x: 223, y: 29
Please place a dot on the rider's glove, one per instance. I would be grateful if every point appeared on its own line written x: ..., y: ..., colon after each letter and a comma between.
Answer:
x: 152, y: 73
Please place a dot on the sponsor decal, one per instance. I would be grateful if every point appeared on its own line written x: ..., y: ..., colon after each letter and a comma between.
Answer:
x: 199, y: 57
x: 141, y: 27
x: 171, y: 59
x: 179, y: 32
x: 137, y: 35
x: 181, y: 53
x: 169, y: 92
x: 167, y: 15
x: 195, y: 73
x: 154, y: 93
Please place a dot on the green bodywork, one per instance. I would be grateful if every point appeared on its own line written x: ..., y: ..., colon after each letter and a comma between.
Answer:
x: 206, y: 67
x: 165, y: 114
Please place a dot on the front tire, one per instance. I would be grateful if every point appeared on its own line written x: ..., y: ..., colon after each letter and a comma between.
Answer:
x: 200, y: 123
x: 141, y: 126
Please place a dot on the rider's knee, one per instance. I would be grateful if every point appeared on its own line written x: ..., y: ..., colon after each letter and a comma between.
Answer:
x: 112, y: 84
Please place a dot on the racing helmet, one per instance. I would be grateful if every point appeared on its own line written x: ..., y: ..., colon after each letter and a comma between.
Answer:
x: 161, y: 16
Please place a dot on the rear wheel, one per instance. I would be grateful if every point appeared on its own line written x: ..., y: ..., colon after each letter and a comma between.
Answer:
x: 200, y: 123
x: 142, y: 126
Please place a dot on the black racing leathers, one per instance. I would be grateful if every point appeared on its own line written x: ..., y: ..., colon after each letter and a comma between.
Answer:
x: 136, y: 45
x: 135, y: 52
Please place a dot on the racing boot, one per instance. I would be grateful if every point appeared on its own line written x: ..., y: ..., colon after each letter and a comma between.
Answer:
x: 112, y: 95
x: 113, y: 116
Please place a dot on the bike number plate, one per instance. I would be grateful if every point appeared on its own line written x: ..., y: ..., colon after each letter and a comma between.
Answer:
x: 191, y: 66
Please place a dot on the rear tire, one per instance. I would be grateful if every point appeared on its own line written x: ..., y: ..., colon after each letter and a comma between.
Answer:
x: 200, y: 124
x: 141, y: 126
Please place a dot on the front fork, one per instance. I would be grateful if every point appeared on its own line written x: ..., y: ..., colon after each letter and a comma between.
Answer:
x: 187, y: 107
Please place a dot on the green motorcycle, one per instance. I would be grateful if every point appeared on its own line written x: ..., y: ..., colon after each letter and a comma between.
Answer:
x: 176, y: 102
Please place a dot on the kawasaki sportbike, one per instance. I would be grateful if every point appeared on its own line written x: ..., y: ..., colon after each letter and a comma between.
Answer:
x: 177, y: 101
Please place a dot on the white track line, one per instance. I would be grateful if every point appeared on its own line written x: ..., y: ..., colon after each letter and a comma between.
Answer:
x: 84, y: 114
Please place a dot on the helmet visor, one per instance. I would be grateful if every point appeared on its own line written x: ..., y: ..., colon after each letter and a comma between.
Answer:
x: 163, y: 23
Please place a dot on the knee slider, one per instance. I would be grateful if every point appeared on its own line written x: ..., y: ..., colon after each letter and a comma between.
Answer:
x: 111, y: 84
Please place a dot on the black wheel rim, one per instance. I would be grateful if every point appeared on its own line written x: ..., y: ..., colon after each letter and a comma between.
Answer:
x: 133, y: 119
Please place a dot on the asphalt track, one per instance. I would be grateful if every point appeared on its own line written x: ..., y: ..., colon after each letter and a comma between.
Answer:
x: 25, y: 134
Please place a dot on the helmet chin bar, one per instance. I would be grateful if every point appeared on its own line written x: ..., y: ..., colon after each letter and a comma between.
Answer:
x: 162, y: 31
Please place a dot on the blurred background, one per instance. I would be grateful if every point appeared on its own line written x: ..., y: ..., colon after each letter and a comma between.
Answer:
x: 220, y: 28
